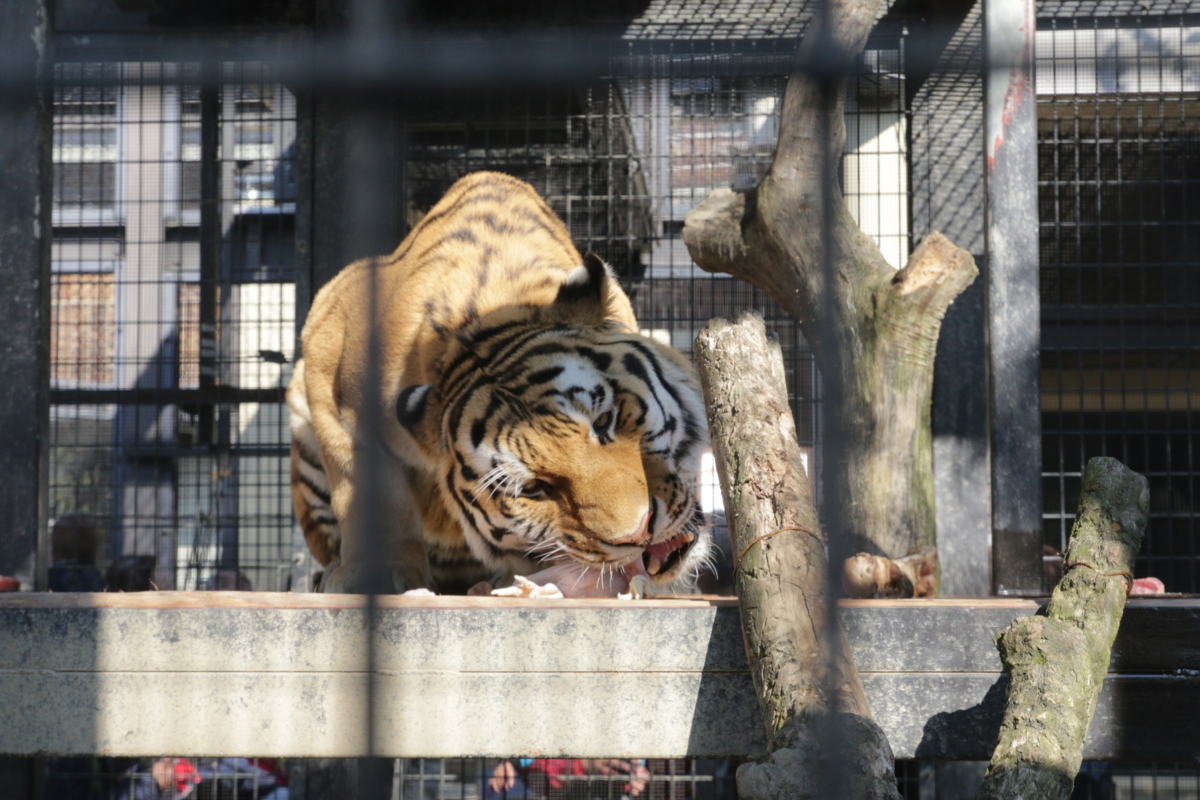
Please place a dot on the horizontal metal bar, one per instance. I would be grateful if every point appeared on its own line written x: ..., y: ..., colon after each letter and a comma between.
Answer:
x: 399, y: 61
x: 1128, y: 336
x: 168, y: 454
x: 1129, y: 17
x: 396, y: 62
x: 1130, y: 315
x: 160, y: 397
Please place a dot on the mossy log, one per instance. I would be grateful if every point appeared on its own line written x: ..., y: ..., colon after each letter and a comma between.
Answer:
x: 1056, y: 664
x: 808, y: 689
x: 873, y: 329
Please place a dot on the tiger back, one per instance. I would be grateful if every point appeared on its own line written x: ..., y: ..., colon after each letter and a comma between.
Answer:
x: 525, y: 420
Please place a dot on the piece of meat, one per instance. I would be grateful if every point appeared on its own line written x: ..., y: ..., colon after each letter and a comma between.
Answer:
x: 914, y: 575
x: 577, y: 580
x: 1145, y: 586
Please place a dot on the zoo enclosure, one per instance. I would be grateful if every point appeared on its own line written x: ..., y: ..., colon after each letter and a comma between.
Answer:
x: 188, y: 230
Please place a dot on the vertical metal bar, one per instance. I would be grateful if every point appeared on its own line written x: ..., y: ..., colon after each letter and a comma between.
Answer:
x: 1187, y: 463
x: 301, y: 577
x: 26, y: 134
x: 371, y: 171
x: 348, y: 177
x: 830, y: 67
x: 210, y: 238
x: 213, y: 427
x: 1010, y: 130
x: 26, y: 121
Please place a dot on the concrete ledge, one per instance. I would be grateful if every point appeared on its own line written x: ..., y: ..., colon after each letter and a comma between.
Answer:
x: 287, y: 675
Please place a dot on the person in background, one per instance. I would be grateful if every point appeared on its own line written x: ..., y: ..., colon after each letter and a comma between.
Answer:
x: 74, y: 540
x: 565, y: 778
x: 167, y: 779
x: 228, y: 580
x: 131, y: 574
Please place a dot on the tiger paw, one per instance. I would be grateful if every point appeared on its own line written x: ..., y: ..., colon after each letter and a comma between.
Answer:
x: 359, y: 578
x: 640, y: 588
x: 523, y: 587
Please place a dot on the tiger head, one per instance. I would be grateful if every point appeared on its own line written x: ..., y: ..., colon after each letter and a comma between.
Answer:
x: 556, y: 434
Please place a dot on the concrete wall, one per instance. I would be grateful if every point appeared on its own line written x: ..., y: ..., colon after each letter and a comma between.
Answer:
x: 288, y: 675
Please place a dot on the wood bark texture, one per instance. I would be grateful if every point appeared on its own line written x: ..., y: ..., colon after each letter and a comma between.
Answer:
x: 873, y: 329
x: 798, y: 655
x: 1056, y: 664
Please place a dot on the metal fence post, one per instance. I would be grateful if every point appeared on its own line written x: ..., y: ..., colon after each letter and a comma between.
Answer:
x: 26, y: 116
x: 1013, y: 302
x: 26, y: 120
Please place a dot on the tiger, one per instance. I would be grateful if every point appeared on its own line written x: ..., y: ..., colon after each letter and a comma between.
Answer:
x: 528, y: 429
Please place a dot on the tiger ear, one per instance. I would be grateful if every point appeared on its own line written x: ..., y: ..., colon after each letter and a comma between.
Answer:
x: 412, y: 411
x: 584, y: 294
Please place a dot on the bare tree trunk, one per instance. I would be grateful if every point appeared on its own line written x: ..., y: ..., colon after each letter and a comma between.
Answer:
x: 1056, y: 664
x: 797, y: 652
x: 873, y: 329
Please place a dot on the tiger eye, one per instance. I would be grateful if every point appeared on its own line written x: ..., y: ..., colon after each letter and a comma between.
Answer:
x: 535, y: 490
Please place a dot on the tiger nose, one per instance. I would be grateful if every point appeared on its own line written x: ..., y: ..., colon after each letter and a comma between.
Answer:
x: 640, y: 538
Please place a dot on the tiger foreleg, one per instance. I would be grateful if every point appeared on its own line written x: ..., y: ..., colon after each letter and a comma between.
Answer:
x: 361, y: 578
x: 395, y: 559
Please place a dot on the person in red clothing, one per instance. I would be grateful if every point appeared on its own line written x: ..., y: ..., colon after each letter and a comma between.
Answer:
x: 563, y: 778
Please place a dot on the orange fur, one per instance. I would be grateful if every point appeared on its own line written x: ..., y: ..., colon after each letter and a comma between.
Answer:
x: 490, y: 252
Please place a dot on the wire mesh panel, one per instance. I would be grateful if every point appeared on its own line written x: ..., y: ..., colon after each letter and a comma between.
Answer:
x: 1119, y: 117
x: 563, y: 779
x: 173, y: 323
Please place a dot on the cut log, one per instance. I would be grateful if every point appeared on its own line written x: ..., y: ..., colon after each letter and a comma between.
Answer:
x: 1056, y: 664
x: 802, y: 667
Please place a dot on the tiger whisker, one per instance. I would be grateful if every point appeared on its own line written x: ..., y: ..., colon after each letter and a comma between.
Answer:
x: 490, y: 480
x: 548, y: 547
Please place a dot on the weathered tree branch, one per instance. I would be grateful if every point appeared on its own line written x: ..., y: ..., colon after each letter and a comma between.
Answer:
x: 874, y: 330
x: 798, y: 656
x: 1056, y: 664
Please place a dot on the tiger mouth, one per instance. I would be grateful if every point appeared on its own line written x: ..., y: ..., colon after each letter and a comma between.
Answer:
x: 661, y: 558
